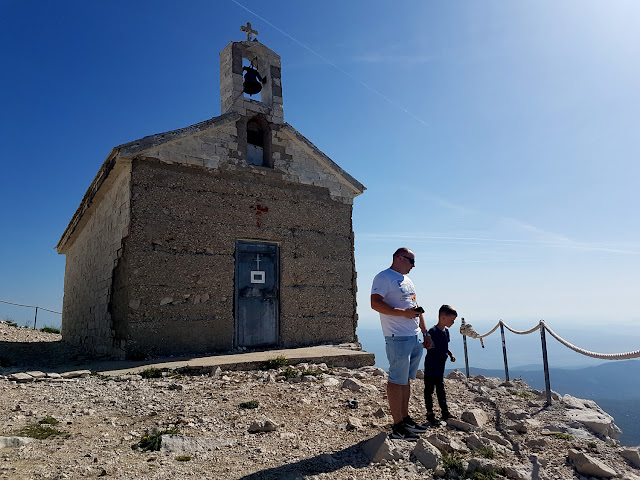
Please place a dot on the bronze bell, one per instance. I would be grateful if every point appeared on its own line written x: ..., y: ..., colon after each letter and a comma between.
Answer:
x: 252, y: 81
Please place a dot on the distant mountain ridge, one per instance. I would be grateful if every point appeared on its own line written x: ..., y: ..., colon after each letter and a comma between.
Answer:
x: 614, y: 379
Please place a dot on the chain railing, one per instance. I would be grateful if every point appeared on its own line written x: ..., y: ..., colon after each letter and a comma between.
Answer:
x: 35, y: 319
x: 466, y: 330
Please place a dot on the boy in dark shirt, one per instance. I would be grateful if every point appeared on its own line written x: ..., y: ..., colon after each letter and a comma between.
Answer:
x: 435, y: 361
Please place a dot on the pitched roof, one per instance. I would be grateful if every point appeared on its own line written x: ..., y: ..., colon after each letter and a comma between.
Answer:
x: 123, y: 154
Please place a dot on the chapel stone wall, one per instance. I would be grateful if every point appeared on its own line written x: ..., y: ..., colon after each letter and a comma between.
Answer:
x: 185, y: 221
x: 91, y: 260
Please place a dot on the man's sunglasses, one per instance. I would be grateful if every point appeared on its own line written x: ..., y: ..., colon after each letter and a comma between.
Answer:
x: 411, y: 260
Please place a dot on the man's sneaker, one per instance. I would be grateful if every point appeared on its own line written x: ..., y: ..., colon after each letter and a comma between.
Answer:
x: 400, y: 432
x: 431, y: 419
x: 446, y: 416
x: 412, y: 426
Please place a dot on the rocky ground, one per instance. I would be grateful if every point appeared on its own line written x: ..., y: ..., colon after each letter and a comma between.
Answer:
x: 310, y: 422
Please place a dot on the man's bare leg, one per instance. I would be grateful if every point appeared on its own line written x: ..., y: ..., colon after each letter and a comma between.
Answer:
x: 395, y: 396
x: 406, y: 395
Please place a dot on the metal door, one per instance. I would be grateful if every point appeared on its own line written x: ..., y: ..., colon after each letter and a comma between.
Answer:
x: 257, y: 285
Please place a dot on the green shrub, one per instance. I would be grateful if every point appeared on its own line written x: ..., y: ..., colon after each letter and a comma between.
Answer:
x: 183, y: 458
x: 486, y: 452
x: 151, y: 440
x: 290, y: 373
x: 491, y: 474
x: 153, y: 372
x: 48, y: 420
x: 452, y: 462
x: 275, y: 363
x: 249, y: 405
x: 42, y: 430
x: 562, y: 436
x: 521, y: 393
x: 50, y: 330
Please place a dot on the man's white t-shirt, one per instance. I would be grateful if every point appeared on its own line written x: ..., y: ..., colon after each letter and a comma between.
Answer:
x: 396, y: 290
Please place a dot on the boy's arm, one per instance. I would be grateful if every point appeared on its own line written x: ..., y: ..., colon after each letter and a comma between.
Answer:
x: 453, y: 359
x: 428, y: 342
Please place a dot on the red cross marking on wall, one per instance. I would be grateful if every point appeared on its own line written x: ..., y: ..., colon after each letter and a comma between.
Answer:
x: 259, y: 211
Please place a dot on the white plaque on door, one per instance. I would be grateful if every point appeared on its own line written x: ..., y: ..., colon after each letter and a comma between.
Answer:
x: 257, y: 276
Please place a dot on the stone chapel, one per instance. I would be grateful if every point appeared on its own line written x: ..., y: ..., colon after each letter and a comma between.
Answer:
x: 233, y: 232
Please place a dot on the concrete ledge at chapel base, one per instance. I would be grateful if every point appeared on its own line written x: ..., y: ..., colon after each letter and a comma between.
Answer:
x: 329, y: 354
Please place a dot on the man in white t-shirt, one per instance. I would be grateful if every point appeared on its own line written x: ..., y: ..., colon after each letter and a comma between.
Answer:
x: 393, y: 296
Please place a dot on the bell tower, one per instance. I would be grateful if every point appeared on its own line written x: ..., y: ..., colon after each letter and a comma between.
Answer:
x: 261, y: 71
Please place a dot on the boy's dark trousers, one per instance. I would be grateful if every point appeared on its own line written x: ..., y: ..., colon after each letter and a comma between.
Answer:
x: 438, y: 383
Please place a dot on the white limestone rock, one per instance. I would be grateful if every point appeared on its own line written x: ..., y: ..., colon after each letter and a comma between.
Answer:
x: 498, y: 439
x: 521, y: 427
x: 632, y: 455
x: 354, y: 423
x: 518, y: 472
x: 587, y: 465
x: 14, y: 441
x: 331, y: 382
x: 598, y: 422
x: 475, y: 442
x: 482, y: 390
x: 262, y: 426
x: 482, y: 465
x: 456, y: 375
x: 380, y: 448
x: 353, y: 385
x: 536, y: 443
x: 460, y: 425
x: 76, y: 374
x: 183, y: 445
x: 21, y: 377
x: 475, y: 416
x: 427, y: 454
x: 516, y: 415
x: 357, y: 386
x: 445, y: 443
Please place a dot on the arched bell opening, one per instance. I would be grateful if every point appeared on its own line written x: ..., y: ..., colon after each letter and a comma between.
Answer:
x: 252, y: 80
x: 258, y: 142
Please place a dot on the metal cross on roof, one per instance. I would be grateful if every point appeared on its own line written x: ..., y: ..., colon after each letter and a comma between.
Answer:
x: 250, y: 31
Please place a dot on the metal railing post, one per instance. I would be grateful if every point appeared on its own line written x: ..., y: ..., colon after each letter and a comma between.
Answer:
x: 466, y: 355
x: 35, y: 320
x: 545, y: 362
x: 504, y: 353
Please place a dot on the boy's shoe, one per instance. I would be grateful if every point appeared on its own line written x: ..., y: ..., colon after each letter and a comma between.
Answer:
x: 431, y: 419
x: 400, y: 432
x: 446, y: 416
x: 413, y: 426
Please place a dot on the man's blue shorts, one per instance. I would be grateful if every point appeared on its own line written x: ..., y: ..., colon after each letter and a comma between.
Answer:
x: 404, y: 355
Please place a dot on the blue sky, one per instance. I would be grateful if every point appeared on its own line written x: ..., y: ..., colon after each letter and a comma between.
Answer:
x: 498, y: 140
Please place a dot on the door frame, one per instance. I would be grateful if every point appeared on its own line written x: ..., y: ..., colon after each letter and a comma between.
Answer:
x: 236, y: 296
